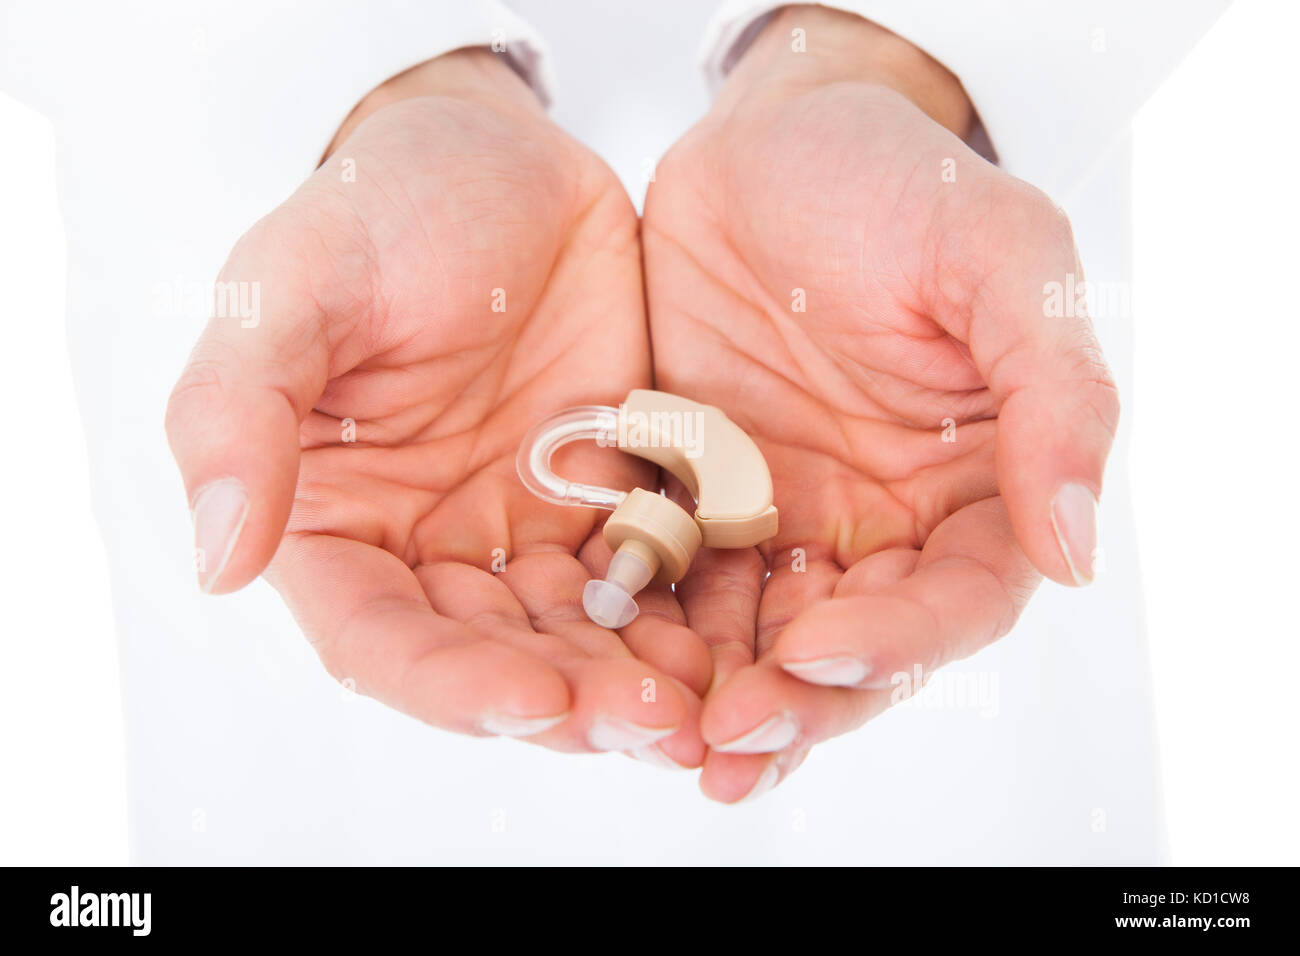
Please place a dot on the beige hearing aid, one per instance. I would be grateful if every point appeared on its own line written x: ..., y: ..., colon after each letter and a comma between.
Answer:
x: 652, y: 537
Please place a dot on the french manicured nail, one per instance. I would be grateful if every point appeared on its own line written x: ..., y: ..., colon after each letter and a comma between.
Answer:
x: 775, y: 733
x: 654, y: 754
x: 218, y: 513
x: 611, y: 733
x: 829, y: 671
x: 507, y: 725
x: 765, y: 782
x: 1074, y: 519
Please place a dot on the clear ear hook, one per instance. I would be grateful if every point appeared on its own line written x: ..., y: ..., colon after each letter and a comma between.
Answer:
x: 598, y: 423
x: 609, y: 603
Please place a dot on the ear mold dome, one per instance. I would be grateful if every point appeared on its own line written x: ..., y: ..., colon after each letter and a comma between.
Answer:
x: 654, y: 539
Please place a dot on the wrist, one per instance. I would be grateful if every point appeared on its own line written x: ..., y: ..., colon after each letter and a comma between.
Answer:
x: 474, y: 74
x: 837, y: 47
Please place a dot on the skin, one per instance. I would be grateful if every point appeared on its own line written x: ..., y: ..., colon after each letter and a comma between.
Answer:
x: 921, y: 300
x: 817, y: 176
x: 376, y: 302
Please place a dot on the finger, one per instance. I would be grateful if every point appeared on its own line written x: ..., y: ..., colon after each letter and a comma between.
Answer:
x: 800, y: 578
x: 720, y: 595
x: 661, y: 637
x: 968, y: 586
x: 762, y: 710
x: 616, y: 701
x: 736, y: 778
x: 234, y: 415
x: 872, y: 574
x: 369, y: 621
x: 548, y: 586
x: 683, y: 750
x: 623, y: 704
x: 1009, y: 288
x: 659, y: 634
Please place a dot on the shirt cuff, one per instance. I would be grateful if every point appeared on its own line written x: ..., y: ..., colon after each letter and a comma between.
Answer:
x: 1054, y: 84
x: 368, y: 43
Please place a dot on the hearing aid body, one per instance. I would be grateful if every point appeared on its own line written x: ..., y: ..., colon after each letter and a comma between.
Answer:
x: 654, y: 538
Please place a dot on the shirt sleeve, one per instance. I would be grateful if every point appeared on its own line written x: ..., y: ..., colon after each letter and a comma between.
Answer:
x: 1054, y: 84
x: 400, y: 34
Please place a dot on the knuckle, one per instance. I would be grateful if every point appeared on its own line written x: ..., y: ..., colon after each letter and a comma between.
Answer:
x: 200, y: 379
x: 1098, y: 388
x: 1103, y: 399
x: 1022, y: 213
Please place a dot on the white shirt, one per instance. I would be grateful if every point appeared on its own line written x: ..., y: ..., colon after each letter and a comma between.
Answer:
x: 179, y: 124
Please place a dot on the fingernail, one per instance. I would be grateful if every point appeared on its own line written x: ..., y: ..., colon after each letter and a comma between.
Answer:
x: 654, y: 754
x: 829, y: 671
x: 775, y: 733
x: 765, y: 782
x: 506, y: 725
x: 218, y: 512
x: 1074, y: 519
x: 611, y: 733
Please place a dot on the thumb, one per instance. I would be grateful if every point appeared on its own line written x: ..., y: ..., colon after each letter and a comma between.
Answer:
x: 1033, y: 343
x: 234, y: 415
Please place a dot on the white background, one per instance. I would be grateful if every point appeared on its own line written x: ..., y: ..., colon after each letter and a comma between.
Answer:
x: 1217, y: 327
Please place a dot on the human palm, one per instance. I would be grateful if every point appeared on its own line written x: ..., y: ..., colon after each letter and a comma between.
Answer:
x: 453, y: 272
x: 811, y: 269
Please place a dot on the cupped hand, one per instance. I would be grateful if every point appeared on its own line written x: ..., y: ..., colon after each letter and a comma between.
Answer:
x: 828, y: 262
x: 457, y: 269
